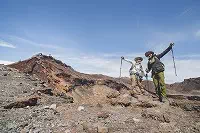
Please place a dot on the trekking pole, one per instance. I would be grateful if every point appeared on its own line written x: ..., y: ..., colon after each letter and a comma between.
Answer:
x: 120, y: 70
x: 174, y: 61
x: 147, y: 82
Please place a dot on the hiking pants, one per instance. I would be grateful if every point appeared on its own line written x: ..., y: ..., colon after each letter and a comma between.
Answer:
x: 136, y: 81
x: 159, y: 82
x: 133, y: 80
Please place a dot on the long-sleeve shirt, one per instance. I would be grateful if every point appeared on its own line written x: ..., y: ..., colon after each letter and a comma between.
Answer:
x: 159, y: 56
x: 135, y: 68
x: 155, y: 62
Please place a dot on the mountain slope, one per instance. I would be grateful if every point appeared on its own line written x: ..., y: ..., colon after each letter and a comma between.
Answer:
x: 62, y: 77
x: 27, y: 105
x: 188, y: 86
x: 45, y: 95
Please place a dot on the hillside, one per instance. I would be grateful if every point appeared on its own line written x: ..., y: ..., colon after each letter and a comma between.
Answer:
x: 188, y: 86
x: 61, y: 76
x: 42, y: 94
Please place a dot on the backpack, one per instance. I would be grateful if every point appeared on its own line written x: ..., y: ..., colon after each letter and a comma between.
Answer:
x: 158, y: 66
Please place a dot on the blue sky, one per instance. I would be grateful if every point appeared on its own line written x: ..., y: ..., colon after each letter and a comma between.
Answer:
x: 91, y: 35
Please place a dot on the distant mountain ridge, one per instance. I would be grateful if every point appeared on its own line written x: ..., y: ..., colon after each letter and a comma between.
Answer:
x: 188, y: 86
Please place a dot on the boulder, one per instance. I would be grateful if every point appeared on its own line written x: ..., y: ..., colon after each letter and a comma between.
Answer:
x: 123, y: 100
x: 89, y: 128
x: 22, y: 104
x: 113, y: 94
x: 103, y: 115
x: 132, y: 120
x: 146, y: 104
x: 81, y: 108
x: 155, y: 115
x: 53, y: 106
x: 102, y: 129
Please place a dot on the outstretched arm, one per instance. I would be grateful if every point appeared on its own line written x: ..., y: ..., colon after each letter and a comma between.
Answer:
x: 166, y: 51
x: 129, y: 61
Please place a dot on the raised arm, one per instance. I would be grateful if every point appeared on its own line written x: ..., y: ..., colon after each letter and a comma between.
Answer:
x: 129, y: 61
x: 166, y: 51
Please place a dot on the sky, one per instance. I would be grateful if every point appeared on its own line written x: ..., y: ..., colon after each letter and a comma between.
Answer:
x: 92, y: 35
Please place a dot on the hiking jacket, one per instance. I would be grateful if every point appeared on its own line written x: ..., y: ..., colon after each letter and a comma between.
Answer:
x: 155, y: 64
x: 135, y: 68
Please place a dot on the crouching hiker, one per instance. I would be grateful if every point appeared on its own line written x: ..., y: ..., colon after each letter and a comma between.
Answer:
x: 136, y: 71
x: 157, y: 68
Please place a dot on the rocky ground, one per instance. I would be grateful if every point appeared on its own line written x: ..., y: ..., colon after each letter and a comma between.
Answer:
x: 28, y: 105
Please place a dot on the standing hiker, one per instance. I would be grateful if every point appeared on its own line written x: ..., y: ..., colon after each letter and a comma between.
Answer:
x: 158, y: 68
x: 136, y: 71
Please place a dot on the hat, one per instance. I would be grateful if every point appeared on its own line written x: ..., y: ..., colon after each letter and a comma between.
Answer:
x: 148, y: 53
x: 138, y: 58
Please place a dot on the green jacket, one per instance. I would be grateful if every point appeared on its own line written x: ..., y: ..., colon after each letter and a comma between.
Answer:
x: 155, y: 64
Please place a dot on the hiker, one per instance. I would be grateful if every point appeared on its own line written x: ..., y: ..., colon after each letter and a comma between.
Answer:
x: 158, y: 68
x: 136, y: 71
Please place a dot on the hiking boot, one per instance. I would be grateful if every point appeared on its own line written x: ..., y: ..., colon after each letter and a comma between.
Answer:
x: 164, y: 100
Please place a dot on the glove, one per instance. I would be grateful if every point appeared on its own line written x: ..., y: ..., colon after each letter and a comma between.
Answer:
x: 137, y: 74
x: 147, y: 70
x: 122, y: 57
x: 171, y: 44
